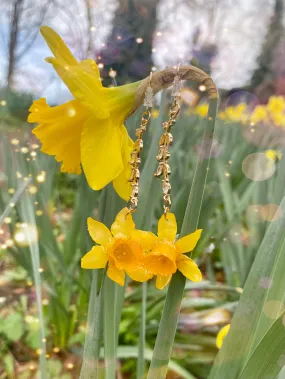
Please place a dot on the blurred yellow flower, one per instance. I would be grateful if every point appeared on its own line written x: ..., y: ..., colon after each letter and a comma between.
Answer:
x: 166, y: 255
x: 259, y: 114
x: 222, y: 335
x: 273, y: 154
x: 278, y: 119
x: 155, y: 113
x: 202, y: 110
x: 276, y: 104
x: 120, y: 247
x: 88, y: 130
x: 222, y: 115
x: 236, y: 113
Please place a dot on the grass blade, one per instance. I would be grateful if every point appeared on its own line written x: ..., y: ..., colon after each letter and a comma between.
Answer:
x: 253, y: 320
x: 266, y: 360
x: 141, y: 357
x: 131, y: 352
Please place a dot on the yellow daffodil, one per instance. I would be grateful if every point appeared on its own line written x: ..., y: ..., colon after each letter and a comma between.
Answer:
x: 236, y: 113
x: 155, y: 113
x: 166, y: 255
x: 202, y: 110
x: 222, y: 335
x: 276, y: 104
x: 273, y: 155
x: 222, y: 115
x: 121, y: 247
x: 88, y: 130
x: 278, y: 119
x: 259, y: 114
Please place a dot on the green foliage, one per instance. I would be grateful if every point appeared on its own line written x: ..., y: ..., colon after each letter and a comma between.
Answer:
x: 12, y: 327
x: 14, y: 110
x: 55, y: 370
x: 225, y: 258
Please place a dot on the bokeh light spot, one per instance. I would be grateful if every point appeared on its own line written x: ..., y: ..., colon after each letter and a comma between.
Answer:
x: 271, y: 212
x: 273, y: 308
x: 258, y: 167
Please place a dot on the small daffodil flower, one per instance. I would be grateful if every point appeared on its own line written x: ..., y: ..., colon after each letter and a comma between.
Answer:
x: 87, y: 131
x: 167, y: 256
x: 121, y: 247
x: 276, y: 104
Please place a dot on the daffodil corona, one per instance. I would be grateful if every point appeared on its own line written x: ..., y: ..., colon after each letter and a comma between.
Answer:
x: 88, y: 130
x: 121, y: 247
x: 165, y: 255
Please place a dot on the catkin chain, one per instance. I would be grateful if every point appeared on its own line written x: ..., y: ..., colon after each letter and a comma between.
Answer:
x: 163, y: 155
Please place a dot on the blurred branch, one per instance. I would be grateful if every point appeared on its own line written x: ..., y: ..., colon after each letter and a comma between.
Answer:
x: 23, y: 25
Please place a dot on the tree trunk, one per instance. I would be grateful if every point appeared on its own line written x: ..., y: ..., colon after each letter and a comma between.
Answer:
x: 14, y: 29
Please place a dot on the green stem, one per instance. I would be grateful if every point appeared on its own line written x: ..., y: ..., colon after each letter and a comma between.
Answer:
x: 110, y: 329
x: 141, y: 357
x: 169, y: 319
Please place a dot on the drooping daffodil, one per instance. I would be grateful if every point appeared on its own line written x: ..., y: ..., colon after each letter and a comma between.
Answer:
x: 87, y: 130
x: 166, y: 256
x: 121, y: 248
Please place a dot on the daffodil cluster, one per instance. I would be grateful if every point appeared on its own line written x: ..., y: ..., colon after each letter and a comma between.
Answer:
x: 140, y: 254
x: 272, y: 113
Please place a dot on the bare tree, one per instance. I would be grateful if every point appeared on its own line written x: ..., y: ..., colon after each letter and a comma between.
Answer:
x: 23, y: 19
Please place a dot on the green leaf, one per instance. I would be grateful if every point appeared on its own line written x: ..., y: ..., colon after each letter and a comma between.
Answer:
x: 54, y: 367
x: 268, y: 358
x: 33, y: 339
x: 13, y: 327
x: 9, y: 365
x: 132, y: 352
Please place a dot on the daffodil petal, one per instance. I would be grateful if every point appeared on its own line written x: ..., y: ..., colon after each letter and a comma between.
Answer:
x: 101, y: 154
x: 222, y: 335
x: 123, y: 225
x: 146, y: 239
x: 116, y: 275
x: 59, y: 131
x: 90, y: 66
x: 140, y: 275
x: 167, y: 227
x: 95, y: 258
x: 121, y: 183
x: 188, y: 243
x: 162, y: 281
x: 98, y: 232
x: 57, y: 46
x: 189, y: 269
x: 82, y: 79
x: 83, y: 86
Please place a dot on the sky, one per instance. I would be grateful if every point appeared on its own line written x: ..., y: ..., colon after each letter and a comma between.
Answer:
x: 236, y: 27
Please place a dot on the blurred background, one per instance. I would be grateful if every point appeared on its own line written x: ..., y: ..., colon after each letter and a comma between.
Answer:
x: 43, y: 292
